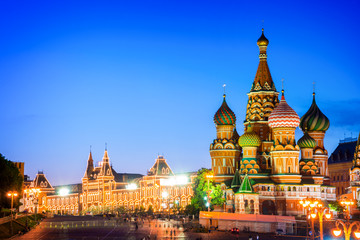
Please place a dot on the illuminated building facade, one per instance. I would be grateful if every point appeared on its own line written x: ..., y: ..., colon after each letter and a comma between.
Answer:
x: 104, y: 190
x: 260, y: 171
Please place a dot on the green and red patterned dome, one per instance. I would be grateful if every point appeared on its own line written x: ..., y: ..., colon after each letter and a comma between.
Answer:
x: 249, y: 139
x: 314, y: 119
x: 224, y: 116
x: 306, y: 141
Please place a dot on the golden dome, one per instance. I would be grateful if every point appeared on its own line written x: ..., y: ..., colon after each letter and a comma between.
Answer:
x: 262, y: 41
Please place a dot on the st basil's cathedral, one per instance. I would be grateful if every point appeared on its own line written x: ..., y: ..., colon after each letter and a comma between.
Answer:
x: 260, y: 171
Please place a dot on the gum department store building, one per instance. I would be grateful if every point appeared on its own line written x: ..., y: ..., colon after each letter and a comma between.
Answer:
x: 260, y: 171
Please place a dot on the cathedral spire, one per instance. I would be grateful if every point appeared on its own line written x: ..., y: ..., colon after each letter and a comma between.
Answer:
x: 90, y: 165
x: 356, y: 160
x: 263, y: 80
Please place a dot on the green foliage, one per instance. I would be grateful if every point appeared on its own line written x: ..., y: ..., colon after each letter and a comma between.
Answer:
x: 201, y: 186
x: 121, y: 210
x: 335, y: 206
x: 10, y: 180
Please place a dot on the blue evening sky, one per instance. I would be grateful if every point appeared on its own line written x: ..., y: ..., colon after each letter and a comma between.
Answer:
x: 146, y: 76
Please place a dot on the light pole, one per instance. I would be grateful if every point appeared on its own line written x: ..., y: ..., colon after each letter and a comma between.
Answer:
x: 347, y: 225
x: 12, y: 195
x: 208, y: 177
x: 315, y: 208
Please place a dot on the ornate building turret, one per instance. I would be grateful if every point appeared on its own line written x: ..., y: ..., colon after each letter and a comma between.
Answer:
x: 316, y: 124
x: 355, y: 169
x: 249, y: 142
x: 263, y: 98
x: 308, y: 166
x: 105, y: 166
x: 284, y: 153
x: 225, y: 151
x: 89, y: 167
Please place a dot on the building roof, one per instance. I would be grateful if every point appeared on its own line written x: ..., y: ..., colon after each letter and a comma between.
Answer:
x: 314, y: 119
x: 224, y: 115
x: 344, y: 152
x: 245, y: 186
x: 306, y: 141
x: 263, y: 80
x: 249, y: 139
x: 236, y: 181
x: 283, y: 115
x: 160, y: 167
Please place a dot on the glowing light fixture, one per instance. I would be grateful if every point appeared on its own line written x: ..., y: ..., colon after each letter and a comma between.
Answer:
x: 131, y: 186
x: 64, y: 192
x: 165, y: 194
x: 313, y: 215
x: 328, y: 215
x: 337, y: 232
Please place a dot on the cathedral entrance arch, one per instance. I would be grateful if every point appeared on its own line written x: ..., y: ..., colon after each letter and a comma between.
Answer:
x: 268, y: 208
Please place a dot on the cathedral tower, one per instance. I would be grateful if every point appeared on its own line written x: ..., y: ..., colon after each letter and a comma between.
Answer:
x: 308, y: 166
x: 263, y: 98
x: 225, y: 151
x: 316, y: 124
x: 90, y: 166
x: 284, y: 153
x: 249, y: 142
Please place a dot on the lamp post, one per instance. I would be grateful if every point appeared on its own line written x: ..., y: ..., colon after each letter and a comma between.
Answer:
x: 208, y: 177
x: 347, y: 225
x: 12, y: 195
x: 315, y: 208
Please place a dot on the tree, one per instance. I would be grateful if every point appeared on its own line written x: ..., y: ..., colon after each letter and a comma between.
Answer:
x: 336, y: 207
x: 200, y: 187
x: 10, y: 180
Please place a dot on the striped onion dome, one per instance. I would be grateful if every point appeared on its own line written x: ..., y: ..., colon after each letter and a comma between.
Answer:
x: 314, y: 119
x: 249, y: 139
x: 306, y: 141
x: 224, y: 116
x: 283, y: 115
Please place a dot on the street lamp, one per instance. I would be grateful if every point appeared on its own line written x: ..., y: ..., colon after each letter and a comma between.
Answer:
x: 208, y: 177
x: 316, y: 208
x: 12, y: 195
x: 346, y: 225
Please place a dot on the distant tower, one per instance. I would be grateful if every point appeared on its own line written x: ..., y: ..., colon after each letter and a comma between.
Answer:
x: 249, y: 142
x: 355, y: 173
x: 316, y: 124
x: 308, y: 166
x: 284, y: 153
x: 263, y: 98
x: 90, y: 166
x: 225, y: 151
x: 106, y: 170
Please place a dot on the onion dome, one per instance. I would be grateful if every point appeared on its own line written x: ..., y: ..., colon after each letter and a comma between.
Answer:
x: 283, y: 115
x: 262, y: 41
x: 249, y: 139
x: 306, y: 141
x: 314, y: 119
x: 224, y: 116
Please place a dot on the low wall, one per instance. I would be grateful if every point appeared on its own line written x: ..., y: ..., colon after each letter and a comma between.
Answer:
x: 251, y: 222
